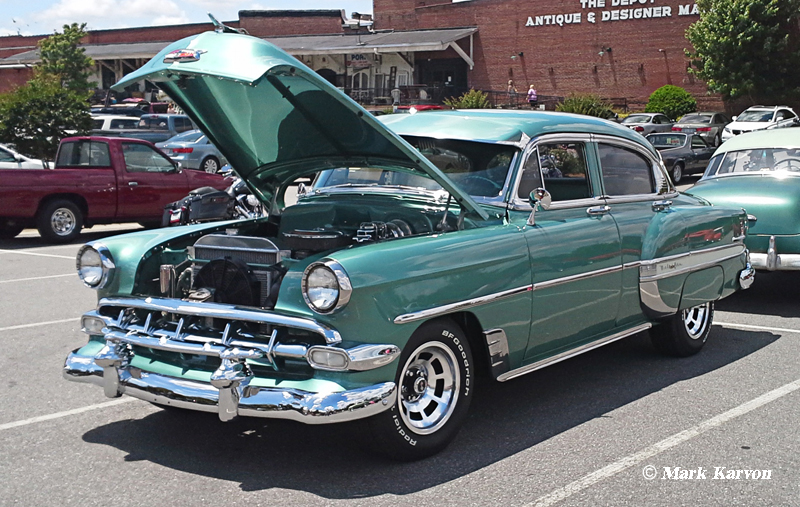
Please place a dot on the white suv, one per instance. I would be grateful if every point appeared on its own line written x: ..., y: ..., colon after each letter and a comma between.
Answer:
x: 760, y: 118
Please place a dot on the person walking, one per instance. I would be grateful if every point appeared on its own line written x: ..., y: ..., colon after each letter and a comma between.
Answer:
x: 512, y: 93
x: 533, y: 98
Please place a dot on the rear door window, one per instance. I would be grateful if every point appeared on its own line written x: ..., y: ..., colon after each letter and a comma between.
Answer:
x: 563, y: 169
x: 625, y: 172
x: 83, y: 154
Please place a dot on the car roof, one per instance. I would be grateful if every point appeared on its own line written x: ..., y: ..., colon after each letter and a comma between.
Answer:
x: 113, y: 117
x: 494, y: 126
x: 775, y: 138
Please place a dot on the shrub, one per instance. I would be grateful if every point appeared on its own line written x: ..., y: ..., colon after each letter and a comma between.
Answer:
x: 473, y: 99
x: 671, y: 100
x: 585, y: 103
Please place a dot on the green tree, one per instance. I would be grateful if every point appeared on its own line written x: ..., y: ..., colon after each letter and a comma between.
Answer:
x: 748, y: 48
x: 54, y: 103
x: 671, y: 100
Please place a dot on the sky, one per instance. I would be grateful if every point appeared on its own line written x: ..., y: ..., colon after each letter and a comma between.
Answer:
x: 42, y: 17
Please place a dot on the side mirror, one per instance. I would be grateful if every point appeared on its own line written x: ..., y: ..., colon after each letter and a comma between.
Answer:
x: 539, y: 198
x: 733, y: 118
x: 18, y: 158
x: 301, y: 190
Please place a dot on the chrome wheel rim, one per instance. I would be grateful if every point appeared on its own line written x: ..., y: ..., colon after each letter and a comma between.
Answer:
x: 63, y: 221
x: 429, y: 387
x: 211, y: 166
x: 695, y: 320
x: 677, y: 173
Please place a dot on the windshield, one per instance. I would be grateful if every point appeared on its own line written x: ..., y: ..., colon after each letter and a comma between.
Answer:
x: 753, y: 161
x: 758, y: 116
x: 637, y: 118
x: 480, y: 169
x: 667, y: 140
x: 695, y: 118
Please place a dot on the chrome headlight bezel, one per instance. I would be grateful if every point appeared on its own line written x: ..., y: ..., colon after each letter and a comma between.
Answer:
x: 107, y: 265
x: 343, y: 281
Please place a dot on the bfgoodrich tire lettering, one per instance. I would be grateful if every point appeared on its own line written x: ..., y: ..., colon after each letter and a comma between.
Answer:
x: 435, y: 380
x: 685, y: 333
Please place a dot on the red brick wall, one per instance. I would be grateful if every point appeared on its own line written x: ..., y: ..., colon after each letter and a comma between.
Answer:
x: 560, y: 60
x: 276, y: 23
x: 149, y: 33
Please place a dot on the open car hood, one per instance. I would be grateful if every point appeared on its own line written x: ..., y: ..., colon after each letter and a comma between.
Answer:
x: 272, y: 117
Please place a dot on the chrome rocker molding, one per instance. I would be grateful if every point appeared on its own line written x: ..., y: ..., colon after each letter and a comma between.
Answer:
x: 773, y: 261
x: 243, y: 400
x: 573, y: 352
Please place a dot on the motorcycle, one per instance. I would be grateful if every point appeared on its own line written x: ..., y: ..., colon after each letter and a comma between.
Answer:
x: 207, y: 204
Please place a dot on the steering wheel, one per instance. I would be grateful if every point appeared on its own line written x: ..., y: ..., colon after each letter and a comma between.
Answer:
x: 792, y: 164
x: 482, y: 182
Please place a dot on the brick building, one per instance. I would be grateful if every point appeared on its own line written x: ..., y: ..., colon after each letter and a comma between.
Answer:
x: 619, y: 49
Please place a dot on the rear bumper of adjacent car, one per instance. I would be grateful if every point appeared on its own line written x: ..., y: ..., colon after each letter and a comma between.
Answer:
x: 229, y: 402
x: 772, y: 260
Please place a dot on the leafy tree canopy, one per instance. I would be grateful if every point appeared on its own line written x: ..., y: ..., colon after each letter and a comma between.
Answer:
x: 671, y: 100
x: 54, y: 103
x: 748, y: 48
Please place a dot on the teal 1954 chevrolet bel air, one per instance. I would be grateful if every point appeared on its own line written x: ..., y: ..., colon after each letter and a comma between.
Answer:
x: 429, y: 250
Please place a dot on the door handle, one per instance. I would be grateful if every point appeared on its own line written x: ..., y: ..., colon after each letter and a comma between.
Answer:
x: 661, y: 205
x: 133, y: 184
x: 598, y: 210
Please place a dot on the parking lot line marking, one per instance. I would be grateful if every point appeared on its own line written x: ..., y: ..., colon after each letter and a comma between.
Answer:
x: 659, y: 447
x: 36, y: 324
x: 756, y: 328
x: 36, y: 278
x: 22, y: 252
x: 59, y: 415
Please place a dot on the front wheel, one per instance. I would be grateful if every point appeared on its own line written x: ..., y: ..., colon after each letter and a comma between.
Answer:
x: 685, y: 333
x: 435, y: 385
x: 60, y: 221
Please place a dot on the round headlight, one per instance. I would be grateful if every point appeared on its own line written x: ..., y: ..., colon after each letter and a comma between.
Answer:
x: 94, y: 265
x: 326, y: 286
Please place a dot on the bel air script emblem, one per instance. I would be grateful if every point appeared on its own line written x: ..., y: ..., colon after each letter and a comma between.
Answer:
x: 183, y: 55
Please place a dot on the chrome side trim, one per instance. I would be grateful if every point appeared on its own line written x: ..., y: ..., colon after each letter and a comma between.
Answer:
x: 223, y: 311
x: 461, y: 305
x: 574, y: 352
x: 650, y: 296
x: 574, y: 278
x: 664, y: 267
x: 244, y: 400
x: 497, y: 345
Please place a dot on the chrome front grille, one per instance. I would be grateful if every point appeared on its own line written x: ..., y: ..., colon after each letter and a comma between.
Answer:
x: 210, y: 329
x: 248, y: 249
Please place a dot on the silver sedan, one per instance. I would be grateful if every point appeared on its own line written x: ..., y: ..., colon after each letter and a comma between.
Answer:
x: 648, y: 123
x: 194, y: 151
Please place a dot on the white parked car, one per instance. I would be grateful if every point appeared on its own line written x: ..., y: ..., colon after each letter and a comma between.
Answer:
x: 10, y: 159
x: 114, y: 122
x: 760, y: 118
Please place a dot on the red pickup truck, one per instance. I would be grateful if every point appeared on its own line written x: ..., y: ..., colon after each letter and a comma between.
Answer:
x: 96, y: 180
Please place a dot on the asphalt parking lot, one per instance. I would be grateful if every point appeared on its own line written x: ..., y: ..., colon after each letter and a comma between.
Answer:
x: 587, y: 431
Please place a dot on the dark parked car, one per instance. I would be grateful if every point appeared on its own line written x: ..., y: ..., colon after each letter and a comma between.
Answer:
x: 707, y: 125
x: 682, y: 153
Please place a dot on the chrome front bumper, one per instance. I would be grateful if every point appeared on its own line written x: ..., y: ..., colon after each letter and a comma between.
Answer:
x: 233, y: 398
x: 773, y: 261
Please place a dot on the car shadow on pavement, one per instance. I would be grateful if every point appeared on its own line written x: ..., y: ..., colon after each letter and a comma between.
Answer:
x: 776, y: 293
x: 505, y: 419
